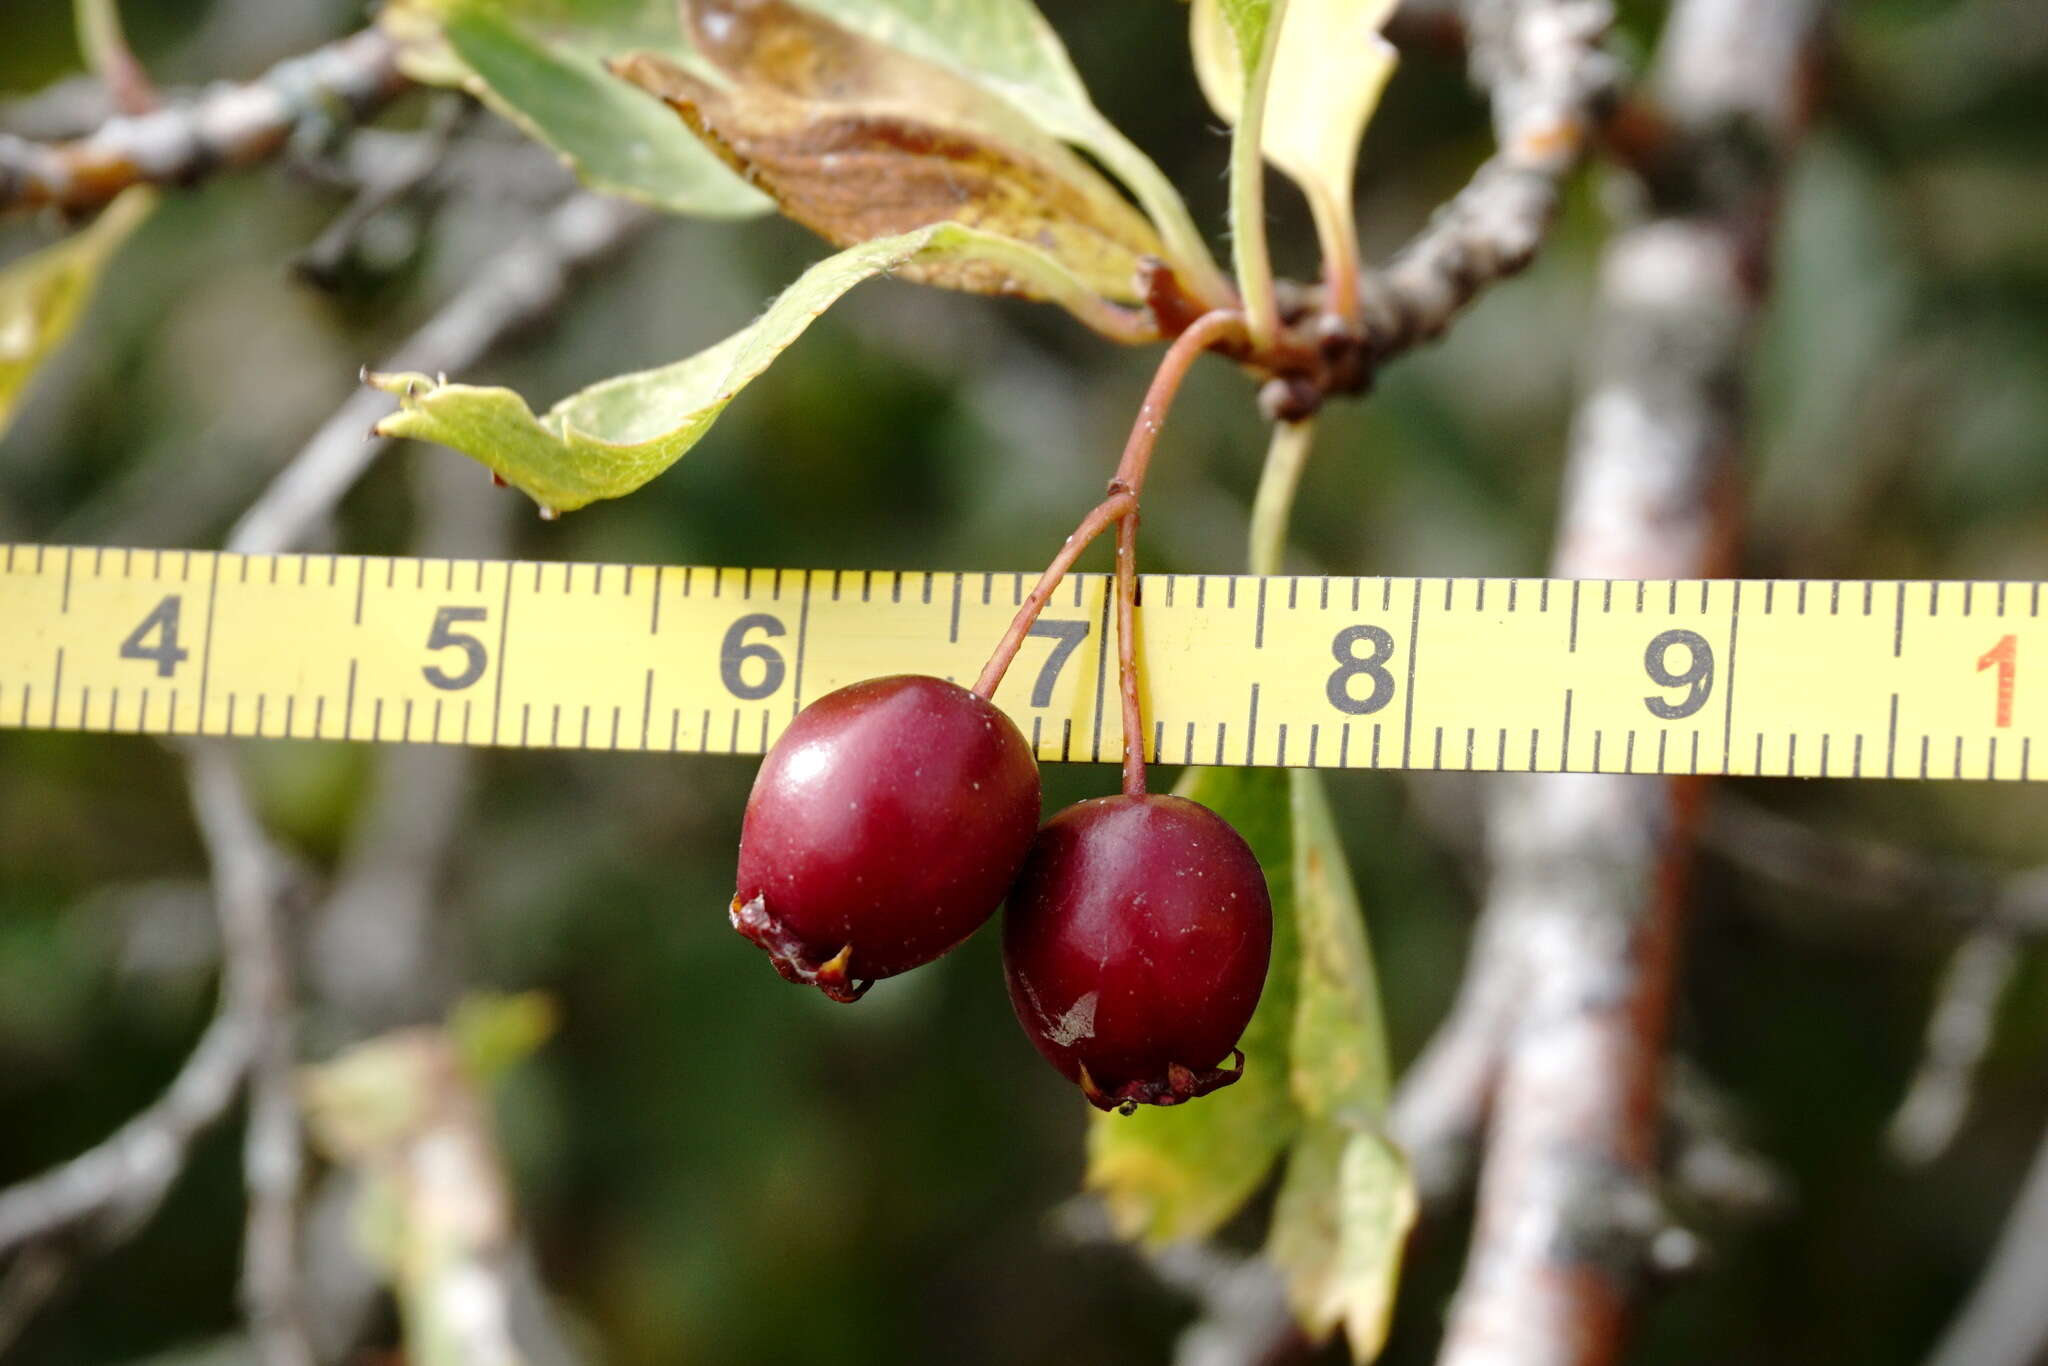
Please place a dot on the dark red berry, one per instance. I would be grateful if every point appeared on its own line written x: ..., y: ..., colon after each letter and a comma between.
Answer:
x: 1136, y: 944
x: 884, y: 827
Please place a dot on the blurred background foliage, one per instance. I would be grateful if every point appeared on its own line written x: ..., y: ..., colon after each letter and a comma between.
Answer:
x: 715, y: 1168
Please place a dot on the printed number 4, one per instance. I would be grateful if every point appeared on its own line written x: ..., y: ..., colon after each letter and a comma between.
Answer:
x: 2005, y: 654
x: 166, y: 654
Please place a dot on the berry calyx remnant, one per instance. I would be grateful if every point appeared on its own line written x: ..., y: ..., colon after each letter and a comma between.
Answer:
x: 884, y: 827
x: 1136, y: 944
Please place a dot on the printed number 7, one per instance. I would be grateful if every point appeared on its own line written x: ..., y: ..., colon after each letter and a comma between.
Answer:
x: 1069, y: 634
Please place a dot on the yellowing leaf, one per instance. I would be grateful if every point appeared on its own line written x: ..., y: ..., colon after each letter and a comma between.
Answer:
x: 1339, y: 1050
x: 1007, y: 47
x: 539, y: 63
x: 1329, y: 67
x: 43, y: 293
x: 1302, y: 1242
x: 616, y: 435
x: 1340, y: 1225
x: 857, y: 140
x: 1181, y: 1172
x: 1346, y: 1203
x: 1247, y: 20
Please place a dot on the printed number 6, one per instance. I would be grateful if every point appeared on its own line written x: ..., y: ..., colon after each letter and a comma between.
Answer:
x: 445, y: 636
x: 735, y: 651
x: 1349, y: 665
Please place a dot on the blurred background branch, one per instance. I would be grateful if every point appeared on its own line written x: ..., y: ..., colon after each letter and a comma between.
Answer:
x: 2005, y: 1320
x: 100, y: 1198
x: 1590, y: 874
x: 517, y: 288
x: 258, y: 982
x: 225, y: 127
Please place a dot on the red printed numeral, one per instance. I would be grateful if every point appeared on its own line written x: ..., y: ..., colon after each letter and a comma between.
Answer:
x: 2003, y: 654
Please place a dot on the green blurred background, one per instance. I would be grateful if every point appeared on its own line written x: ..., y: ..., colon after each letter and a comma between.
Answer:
x: 715, y: 1168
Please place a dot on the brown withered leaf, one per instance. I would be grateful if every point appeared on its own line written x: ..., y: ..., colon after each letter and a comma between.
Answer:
x: 857, y: 141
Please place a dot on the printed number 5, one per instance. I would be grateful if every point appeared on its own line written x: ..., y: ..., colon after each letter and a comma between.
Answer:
x: 445, y: 636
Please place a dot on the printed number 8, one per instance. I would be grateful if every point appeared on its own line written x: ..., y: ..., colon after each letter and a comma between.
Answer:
x: 1349, y: 665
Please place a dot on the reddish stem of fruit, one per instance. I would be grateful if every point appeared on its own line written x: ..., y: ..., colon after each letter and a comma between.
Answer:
x: 1127, y: 652
x: 1203, y: 333
x: 1098, y: 520
x: 1122, y: 502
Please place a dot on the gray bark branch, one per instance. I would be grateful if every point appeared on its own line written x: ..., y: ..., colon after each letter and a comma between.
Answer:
x: 1550, y: 83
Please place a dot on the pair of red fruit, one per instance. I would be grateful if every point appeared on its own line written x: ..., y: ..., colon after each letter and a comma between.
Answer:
x: 893, y: 817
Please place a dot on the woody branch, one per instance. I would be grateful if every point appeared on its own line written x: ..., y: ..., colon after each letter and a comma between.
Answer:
x: 1576, y: 967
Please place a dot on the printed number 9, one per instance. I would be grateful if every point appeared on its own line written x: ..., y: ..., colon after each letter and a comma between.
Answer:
x: 1374, y: 666
x: 735, y: 651
x: 1698, y: 677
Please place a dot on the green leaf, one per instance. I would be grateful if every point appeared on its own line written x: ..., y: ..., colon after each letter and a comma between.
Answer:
x: 1180, y: 1172
x: 1009, y: 48
x: 43, y: 294
x: 1330, y: 66
x: 540, y: 64
x: 616, y: 435
x: 1339, y: 1048
x: 1340, y: 1224
x: 857, y: 140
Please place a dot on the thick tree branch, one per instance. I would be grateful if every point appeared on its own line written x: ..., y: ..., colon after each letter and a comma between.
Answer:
x: 1590, y: 871
x: 226, y: 126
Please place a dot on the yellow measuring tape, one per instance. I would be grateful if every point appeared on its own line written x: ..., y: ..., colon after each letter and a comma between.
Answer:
x: 1808, y: 678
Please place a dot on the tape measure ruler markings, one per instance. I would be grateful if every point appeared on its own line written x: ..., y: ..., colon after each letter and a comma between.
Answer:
x: 1811, y: 678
